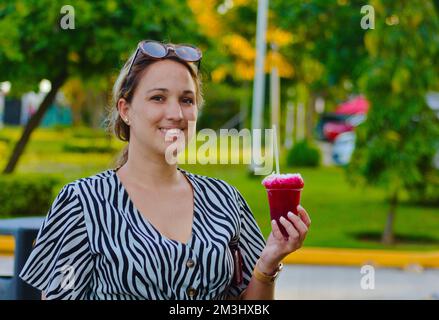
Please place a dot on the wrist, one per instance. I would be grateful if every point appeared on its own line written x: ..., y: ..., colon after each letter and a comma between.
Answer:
x: 266, y: 275
x: 267, y: 266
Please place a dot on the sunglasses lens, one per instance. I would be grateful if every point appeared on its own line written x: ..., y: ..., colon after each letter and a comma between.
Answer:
x: 154, y: 49
x: 187, y: 53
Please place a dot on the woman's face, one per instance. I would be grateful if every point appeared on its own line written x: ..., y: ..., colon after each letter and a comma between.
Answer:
x: 164, y: 100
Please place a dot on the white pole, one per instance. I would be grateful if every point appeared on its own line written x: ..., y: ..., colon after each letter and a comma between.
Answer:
x: 259, y: 80
x: 300, y: 126
x: 2, y: 108
x: 275, y: 94
x: 289, y: 124
x: 320, y: 105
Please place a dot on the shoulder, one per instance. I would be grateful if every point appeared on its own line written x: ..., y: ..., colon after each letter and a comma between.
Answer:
x: 72, y: 199
x: 103, y: 175
x: 93, y: 182
x: 213, y: 185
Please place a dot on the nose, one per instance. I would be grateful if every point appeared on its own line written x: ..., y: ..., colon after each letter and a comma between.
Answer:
x: 173, y: 111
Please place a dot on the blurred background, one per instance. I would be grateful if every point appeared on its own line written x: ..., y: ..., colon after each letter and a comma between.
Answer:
x: 351, y: 85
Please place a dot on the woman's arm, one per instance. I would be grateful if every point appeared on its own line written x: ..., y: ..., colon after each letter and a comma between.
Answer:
x: 276, y: 249
x: 259, y: 290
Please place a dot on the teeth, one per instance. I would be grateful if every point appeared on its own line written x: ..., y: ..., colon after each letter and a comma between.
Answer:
x: 171, y: 131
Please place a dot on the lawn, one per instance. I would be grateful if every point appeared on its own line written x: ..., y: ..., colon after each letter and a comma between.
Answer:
x: 339, y: 211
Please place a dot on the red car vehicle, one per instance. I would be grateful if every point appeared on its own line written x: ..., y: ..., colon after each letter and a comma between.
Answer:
x: 332, y: 129
x: 347, y: 116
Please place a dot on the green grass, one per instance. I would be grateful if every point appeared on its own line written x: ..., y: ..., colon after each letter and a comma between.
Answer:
x: 337, y: 209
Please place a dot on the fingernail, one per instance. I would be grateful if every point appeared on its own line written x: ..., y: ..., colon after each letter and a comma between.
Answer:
x: 282, y: 218
x: 290, y: 214
x: 273, y: 221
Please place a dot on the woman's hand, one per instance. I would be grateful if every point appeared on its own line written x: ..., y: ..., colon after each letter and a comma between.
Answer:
x: 278, y: 247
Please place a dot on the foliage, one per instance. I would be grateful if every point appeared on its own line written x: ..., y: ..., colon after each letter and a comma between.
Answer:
x: 304, y: 154
x: 398, y: 141
x: 85, y: 132
x: 33, y: 46
x: 223, y: 103
x: 232, y: 33
x: 327, y: 48
x: 32, y: 194
x: 89, y: 146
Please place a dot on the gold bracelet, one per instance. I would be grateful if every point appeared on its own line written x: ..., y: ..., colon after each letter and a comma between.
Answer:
x: 261, y: 276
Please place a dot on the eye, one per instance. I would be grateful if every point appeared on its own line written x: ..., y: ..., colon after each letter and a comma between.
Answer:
x: 189, y: 101
x: 158, y: 98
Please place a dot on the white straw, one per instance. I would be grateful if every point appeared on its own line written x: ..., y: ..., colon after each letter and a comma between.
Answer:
x: 276, y: 150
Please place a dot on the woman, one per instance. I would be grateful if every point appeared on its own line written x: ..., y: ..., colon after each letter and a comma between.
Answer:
x: 149, y: 229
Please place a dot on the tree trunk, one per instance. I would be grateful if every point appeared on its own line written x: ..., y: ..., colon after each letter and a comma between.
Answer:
x: 33, y: 123
x: 388, y: 234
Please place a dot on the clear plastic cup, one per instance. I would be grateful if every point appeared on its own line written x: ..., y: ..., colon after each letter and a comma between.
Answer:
x: 282, y: 201
x: 283, y: 192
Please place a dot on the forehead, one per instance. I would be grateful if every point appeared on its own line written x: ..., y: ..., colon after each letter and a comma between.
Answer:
x: 167, y: 74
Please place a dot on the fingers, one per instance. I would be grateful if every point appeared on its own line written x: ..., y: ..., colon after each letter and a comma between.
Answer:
x: 299, y: 225
x: 304, y: 215
x: 276, y: 231
x: 291, y: 230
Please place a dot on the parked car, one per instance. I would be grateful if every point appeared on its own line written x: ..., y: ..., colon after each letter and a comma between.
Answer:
x: 343, y: 147
x: 325, y: 119
x: 436, y: 160
x: 331, y: 129
x: 346, y: 117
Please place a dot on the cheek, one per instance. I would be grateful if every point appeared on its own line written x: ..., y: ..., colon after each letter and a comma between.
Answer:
x: 191, y: 113
x: 148, y: 113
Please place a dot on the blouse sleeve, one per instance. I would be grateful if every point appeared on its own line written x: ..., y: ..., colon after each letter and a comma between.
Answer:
x: 251, y: 243
x: 60, y: 263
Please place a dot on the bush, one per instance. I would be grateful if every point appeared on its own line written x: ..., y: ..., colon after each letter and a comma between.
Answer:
x: 85, y: 132
x: 4, y: 149
x: 26, y: 194
x: 5, y: 139
x: 303, y: 154
x: 87, y: 146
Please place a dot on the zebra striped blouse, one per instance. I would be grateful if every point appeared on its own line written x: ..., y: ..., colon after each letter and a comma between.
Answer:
x: 94, y: 244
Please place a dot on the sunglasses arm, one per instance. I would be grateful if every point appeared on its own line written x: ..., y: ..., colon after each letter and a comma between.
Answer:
x: 132, y: 61
x: 199, y: 65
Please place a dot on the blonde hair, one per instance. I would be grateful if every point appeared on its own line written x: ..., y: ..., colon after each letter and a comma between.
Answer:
x: 125, y: 87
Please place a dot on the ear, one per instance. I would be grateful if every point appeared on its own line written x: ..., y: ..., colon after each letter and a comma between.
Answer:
x: 123, y: 108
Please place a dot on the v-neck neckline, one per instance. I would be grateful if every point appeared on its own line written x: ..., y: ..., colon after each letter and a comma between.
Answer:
x: 145, y: 220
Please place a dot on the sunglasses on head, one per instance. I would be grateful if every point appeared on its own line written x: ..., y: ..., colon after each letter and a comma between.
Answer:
x: 157, y: 50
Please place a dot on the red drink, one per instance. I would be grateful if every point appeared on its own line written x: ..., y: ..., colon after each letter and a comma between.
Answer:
x: 283, y: 195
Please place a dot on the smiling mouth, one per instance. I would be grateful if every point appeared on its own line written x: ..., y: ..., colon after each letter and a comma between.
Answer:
x: 171, y: 130
x: 171, y: 133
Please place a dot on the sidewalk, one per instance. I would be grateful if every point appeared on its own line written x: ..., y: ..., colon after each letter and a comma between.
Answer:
x: 298, y: 282
x: 6, y: 265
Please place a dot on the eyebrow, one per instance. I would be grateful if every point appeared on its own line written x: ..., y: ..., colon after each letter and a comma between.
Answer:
x: 166, y: 90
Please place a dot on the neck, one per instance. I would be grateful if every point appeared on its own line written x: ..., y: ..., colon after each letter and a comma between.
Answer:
x: 149, y: 170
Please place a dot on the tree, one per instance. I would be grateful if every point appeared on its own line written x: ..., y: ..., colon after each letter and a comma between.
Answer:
x: 231, y: 30
x: 327, y: 51
x: 33, y: 45
x: 401, y: 134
